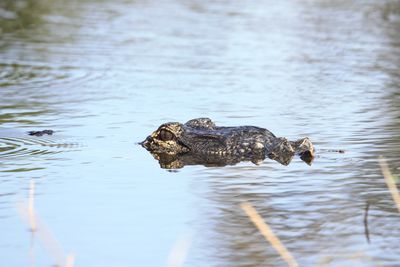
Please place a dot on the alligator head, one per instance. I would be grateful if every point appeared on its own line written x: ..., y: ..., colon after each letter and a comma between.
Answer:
x: 197, y: 135
x: 166, y: 139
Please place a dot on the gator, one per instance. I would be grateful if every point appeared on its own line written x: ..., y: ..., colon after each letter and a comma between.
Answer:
x: 201, y: 142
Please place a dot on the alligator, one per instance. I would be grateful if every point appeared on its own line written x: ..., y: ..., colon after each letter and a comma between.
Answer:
x: 201, y: 142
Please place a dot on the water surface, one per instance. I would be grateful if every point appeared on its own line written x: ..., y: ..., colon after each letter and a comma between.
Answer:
x: 105, y: 74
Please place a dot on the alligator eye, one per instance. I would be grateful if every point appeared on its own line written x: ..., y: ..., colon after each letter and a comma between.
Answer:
x: 165, y: 135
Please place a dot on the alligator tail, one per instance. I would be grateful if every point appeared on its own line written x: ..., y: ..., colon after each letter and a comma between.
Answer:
x: 305, y: 149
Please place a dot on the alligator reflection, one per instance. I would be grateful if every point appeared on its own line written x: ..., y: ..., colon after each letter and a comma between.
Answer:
x: 201, y: 142
x: 173, y: 161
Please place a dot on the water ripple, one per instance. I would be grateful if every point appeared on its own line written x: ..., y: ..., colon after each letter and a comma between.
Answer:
x: 38, y: 75
x: 11, y: 148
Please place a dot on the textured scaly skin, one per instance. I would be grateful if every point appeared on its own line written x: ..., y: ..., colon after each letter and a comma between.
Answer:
x: 200, y: 141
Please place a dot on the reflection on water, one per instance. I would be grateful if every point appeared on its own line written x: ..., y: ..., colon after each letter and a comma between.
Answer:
x: 104, y: 74
x: 20, y: 15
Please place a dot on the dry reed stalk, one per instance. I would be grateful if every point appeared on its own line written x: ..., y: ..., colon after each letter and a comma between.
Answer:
x: 390, y: 182
x: 179, y: 251
x: 366, y: 230
x: 31, y: 206
x: 266, y: 231
x: 27, y: 212
x: 69, y: 262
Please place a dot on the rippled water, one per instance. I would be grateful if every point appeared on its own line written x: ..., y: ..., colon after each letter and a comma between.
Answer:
x: 105, y: 74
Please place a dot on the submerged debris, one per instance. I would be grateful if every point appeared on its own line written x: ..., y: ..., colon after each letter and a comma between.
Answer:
x: 41, y: 133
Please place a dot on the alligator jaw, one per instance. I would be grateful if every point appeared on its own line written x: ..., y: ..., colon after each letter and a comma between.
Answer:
x: 150, y: 144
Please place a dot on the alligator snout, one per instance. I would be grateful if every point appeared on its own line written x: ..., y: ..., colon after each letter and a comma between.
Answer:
x: 146, y: 143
